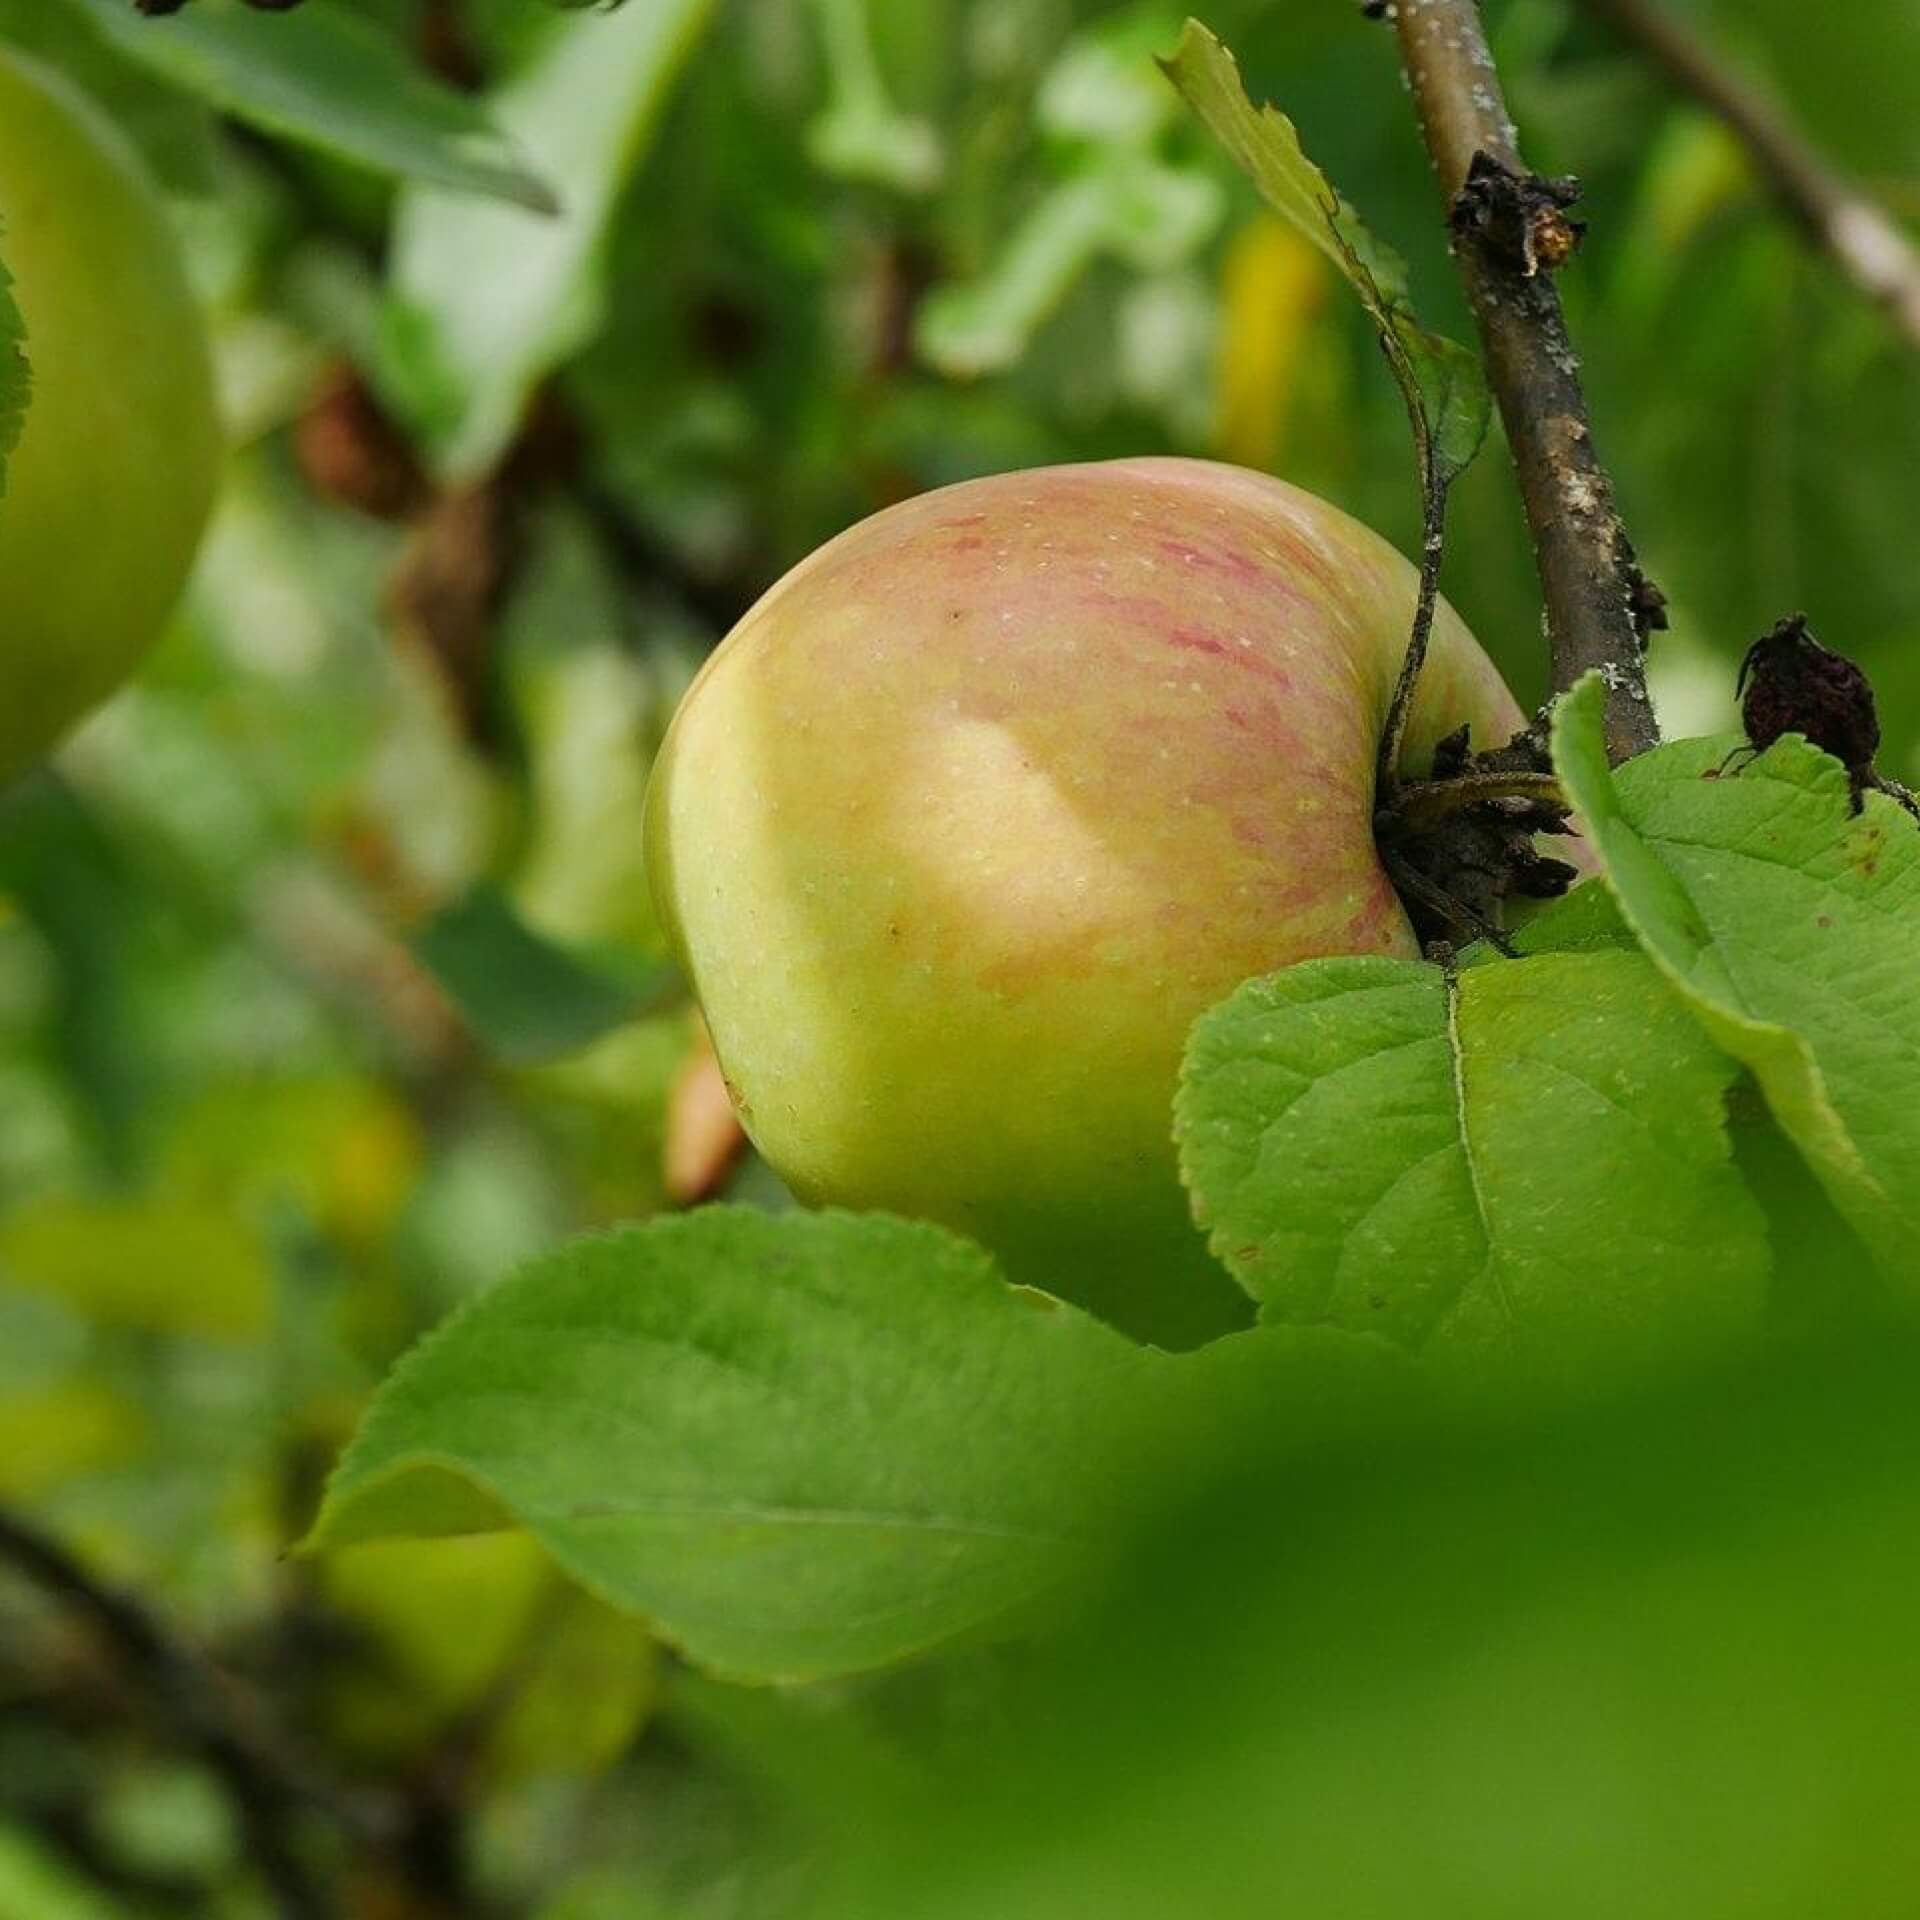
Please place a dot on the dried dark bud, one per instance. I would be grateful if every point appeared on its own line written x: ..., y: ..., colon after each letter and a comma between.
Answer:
x: 1376, y: 9
x: 1522, y: 217
x: 1540, y: 877
x: 1790, y: 683
x: 1553, y: 237
x: 1451, y: 755
x: 158, y: 9
x: 1647, y: 604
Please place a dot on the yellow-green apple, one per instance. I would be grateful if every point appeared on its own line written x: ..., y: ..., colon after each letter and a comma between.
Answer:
x: 108, y: 490
x: 986, y: 801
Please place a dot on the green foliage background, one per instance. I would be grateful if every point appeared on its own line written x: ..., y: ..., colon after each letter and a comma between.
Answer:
x: 329, y: 992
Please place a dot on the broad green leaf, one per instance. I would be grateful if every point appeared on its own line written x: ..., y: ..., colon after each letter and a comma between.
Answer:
x: 170, y: 1267
x: 16, y: 376
x: 1525, y: 1164
x: 486, y: 300
x: 1790, y: 926
x: 802, y: 1445
x: 1445, y: 390
x: 322, y: 76
x: 526, y: 998
x: 1587, y: 917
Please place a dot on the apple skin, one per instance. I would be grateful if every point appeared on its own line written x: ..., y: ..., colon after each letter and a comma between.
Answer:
x: 980, y: 806
x: 109, y: 488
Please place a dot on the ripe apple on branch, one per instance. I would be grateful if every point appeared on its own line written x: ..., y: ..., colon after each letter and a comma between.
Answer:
x: 988, y: 800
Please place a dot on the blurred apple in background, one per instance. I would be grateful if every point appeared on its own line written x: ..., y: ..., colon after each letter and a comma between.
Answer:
x: 109, y: 489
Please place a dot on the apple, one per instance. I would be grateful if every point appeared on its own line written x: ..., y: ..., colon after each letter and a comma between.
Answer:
x: 980, y: 806
x: 108, y: 491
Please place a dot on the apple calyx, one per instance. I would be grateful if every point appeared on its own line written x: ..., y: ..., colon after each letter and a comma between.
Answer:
x: 1460, y: 844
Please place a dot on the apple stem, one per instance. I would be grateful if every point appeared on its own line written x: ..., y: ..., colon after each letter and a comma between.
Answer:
x: 1445, y: 906
x: 1393, y: 737
x: 1422, y: 804
x: 1510, y: 231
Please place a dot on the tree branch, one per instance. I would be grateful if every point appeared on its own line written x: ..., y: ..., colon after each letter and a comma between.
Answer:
x: 268, y: 1790
x: 1510, y: 232
x: 1840, y: 216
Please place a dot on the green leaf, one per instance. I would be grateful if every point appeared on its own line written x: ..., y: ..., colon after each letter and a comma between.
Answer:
x: 1790, y: 926
x: 527, y: 999
x: 322, y: 76
x: 802, y: 1445
x: 16, y: 375
x: 1525, y: 1164
x: 1444, y: 387
x: 486, y: 301
x: 1587, y: 917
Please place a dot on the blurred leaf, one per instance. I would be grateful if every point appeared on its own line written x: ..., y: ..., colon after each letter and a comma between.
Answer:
x: 1104, y: 116
x: 324, y: 77
x: 35, y: 1886
x: 1459, y: 1163
x: 1275, y: 286
x: 550, y: 1678
x: 411, y: 1679
x: 860, y: 135
x: 173, y: 131
x: 50, y: 1435
x: 1127, y: 204
x: 586, y: 1692
x: 1657, y: 1661
x: 526, y: 998
x: 1790, y: 926
x: 590, y: 708
x: 485, y: 301
x: 168, y: 1819
x: 1445, y: 390
x: 1694, y: 171
x: 347, y: 1151
x: 164, y: 1265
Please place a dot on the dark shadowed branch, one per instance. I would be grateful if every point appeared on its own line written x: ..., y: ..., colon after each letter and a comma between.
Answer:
x: 270, y: 1792
x: 1510, y: 232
